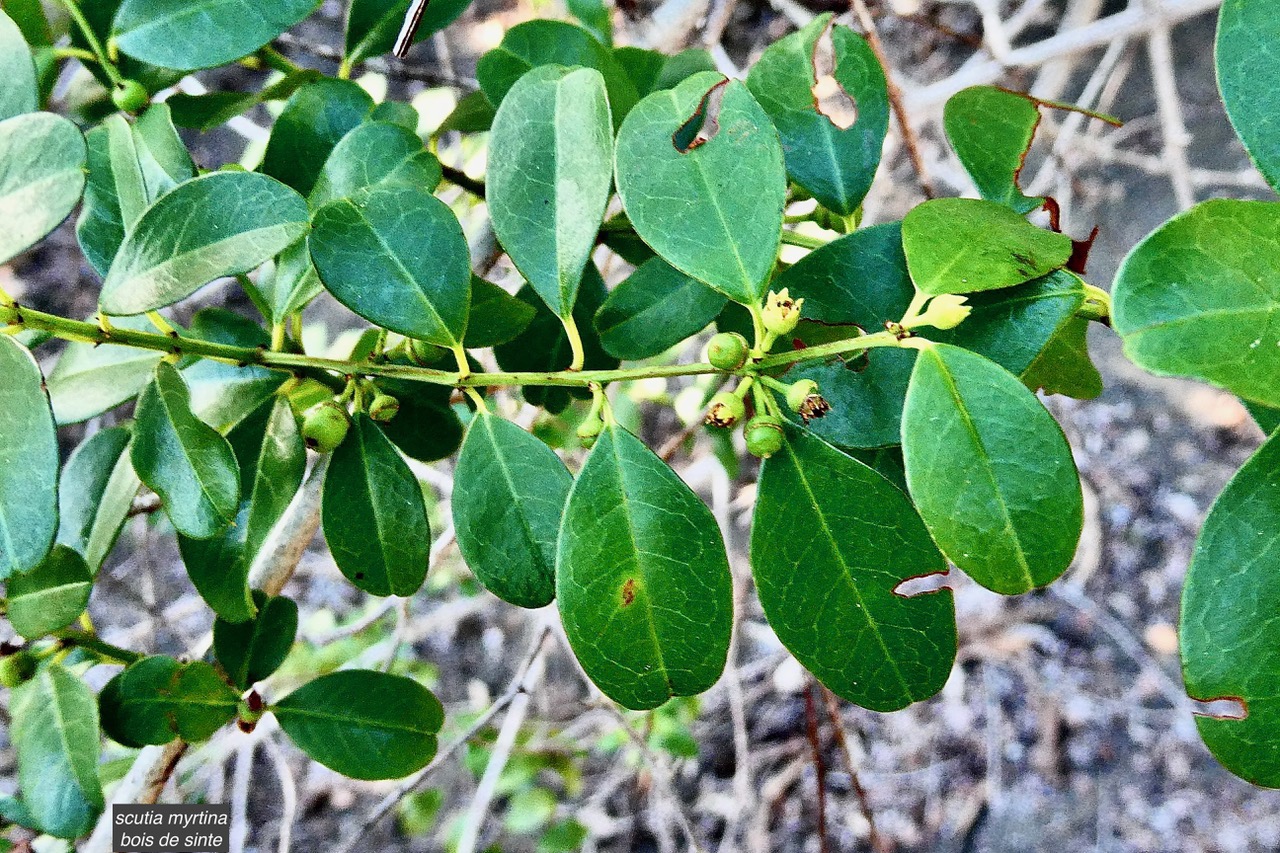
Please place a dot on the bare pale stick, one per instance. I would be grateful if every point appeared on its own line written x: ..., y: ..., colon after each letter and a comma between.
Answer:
x: 412, y: 20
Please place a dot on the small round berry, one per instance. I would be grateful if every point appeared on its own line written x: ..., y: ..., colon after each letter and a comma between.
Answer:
x: 324, y: 426
x: 383, y: 408
x: 764, y: 435
x: 589, y: 430
x: 725, y: 410
x: 424, y: 353
x: 130, y: 96
x: 727, y: 351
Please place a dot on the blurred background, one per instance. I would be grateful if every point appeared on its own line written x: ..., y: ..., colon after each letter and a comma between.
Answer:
x: 1064, y: 724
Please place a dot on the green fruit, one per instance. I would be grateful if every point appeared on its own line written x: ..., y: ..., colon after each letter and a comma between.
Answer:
x: 589, y: 430
x: 764, y: 435
x: 17, y: 668
x: 727, y: 351
x: 383, y: 408
x: 130, y: 96
x: 725, y: 410
x: 423, y: 352
x: 324, y: 426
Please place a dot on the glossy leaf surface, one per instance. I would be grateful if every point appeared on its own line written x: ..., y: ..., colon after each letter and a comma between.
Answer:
x: 653, y: 309
x: 158, y: 699
x: 642, y: 579
x: 188, y: 35
x: 42, y: 158
x: 251, y: 651
x: 990, y: 471
x: 314, y: 120
x: 28, y: 463
x: 18, y: 70
x: 95, y: 493
x: 1248, y: 64
x: 51, y: 595
x: 830, y: 542
x: 991, y: 130
x: 373, y: 153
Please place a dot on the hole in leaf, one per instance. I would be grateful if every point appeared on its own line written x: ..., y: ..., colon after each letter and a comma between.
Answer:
x: 628, y: 592
x: 829, y: 97
x: 704, y: 124
x: 1221, y: 708
x: 923, y: 584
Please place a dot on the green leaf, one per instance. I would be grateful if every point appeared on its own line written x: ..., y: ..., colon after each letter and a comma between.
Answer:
x: 100, y: 15
x: 473, y: 114
x: 290, y: 283
x: 990, y: 471
x: 642, y: 578
x: 830, y: 543
x: 42, y: 159
x: 28, y: 463
x: 184, y: 461
x: 715, y: 211
x: 396, y: 255
x: 224, y: 394
x: 18, y: 71
x: 272, y: 461
x: 363, y: 724
x: 533, y: 43
x: 1247, y: 62
x: 314, y: 120
x: 372, y: 25
x: 653, y: 309
x: 188, y: 35
x: 509, y: 495
x: 1064, y: 365
x: 641, y: 65
x: 550, y: 172
x: 95, y: 493
x: 964, y: 245
x: 427, y: 427
x: 1266, y: 417
x: 374, y: 153
x: 1199, y: 297
x: 596, y: 16
x: 251, y: 651
x: 216, y: 225
x: 991, y: 130
x: 495, y: 316
x: 544, y: 347
x: 832, y: 147
x: 157, y: 700
x: 55, y: 733
x: 50, y: 596
x: 214, y: 109
x: 100, y: 227
x: 374, y: 515
x: 90, y: 379
x: 1227, y: 630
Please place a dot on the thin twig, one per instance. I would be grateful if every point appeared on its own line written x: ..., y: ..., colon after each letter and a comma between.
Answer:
x: 879, y: 843
x: 909, y: 137
x: 819, y: 762
x: 286, y: 543
x: 240, y: 778
x: 517, y: 686
x: 162, y: 771
x: 1169, y: 106
x: 288, y: 794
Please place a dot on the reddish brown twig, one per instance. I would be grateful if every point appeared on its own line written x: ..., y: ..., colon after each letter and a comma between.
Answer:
x: 879, y: 843
x: 819, y: 762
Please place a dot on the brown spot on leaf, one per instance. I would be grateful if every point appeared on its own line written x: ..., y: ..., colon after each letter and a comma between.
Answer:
x: 628, y: 592
x: 829, y: 97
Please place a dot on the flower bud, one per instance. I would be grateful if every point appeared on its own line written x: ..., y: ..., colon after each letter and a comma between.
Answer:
x: 324, y: 426
x: 764, y: 435
x: 728, y: 351
x: 803, y: 397
x: 130, y: 96
x: 725, y: 410
x: 944, y: 312
x: 781, y: 312
x: 383, y: 408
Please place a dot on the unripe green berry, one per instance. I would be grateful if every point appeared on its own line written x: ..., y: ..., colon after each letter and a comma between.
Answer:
x: 423, y: 352
x: 324, y: 426
x: 725, y: 410
x: 764, y: 435
x: 728, y: 351
x: 17, y: 668
x: 383, y: 408
x: 589, y: 430
x: 130, y: 96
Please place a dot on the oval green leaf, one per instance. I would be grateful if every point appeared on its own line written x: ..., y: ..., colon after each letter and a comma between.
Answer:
x: 964, y: 245
x: 374, y: 515
x: 714, y: 211
x: 495, y: 316
x: 251, y: 651
x: 396, y: 256
x: 550, y: 172
x: 314, y: 120
x: 653, y: 309
x: 17, y: 70
x: 642, y: 578
x: 192, y: 34
x: 28, y: 463
x: 991, y: 130
x: 832, y: 151
x: 363, y: 724
x: 55, y: 734
x: 1227, y: 633
x: 95, y: 493
x: 990, y: 471
x: 509, y: 495
x: 90, y: 379
x: 830, y: 543
x: 184, y: 461
x: 1199, y: 297
x: 373, y: 153
x: 1248, y: 66
x: 158, y: 699
x: 212, y: 226
x: 50, y: 596
x: 42, y: 175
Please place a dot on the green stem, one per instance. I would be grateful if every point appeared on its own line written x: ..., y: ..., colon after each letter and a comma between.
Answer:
x: 277, y: 60
x: 91, y: 643
x: 295, y: 363
x: 74, y: 53
x: 73, y: 9
x: 462, y: 179
x: 794, y: 238
x: 575, y: 343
